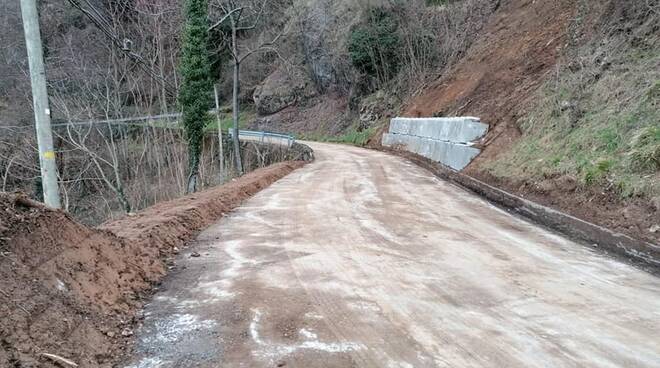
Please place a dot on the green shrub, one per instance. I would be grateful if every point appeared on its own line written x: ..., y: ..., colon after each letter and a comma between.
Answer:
x: 374, y: 44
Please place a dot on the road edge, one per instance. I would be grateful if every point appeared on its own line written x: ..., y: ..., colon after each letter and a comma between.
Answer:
x: 637, y: 252
x: 76, y: 290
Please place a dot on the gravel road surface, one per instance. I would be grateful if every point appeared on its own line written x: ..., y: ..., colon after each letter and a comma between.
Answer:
x: 362, y: 259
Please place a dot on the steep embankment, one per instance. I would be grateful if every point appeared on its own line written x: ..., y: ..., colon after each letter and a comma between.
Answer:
x: 502, y: 70
x: 73, y: 291
x: 570, y: 92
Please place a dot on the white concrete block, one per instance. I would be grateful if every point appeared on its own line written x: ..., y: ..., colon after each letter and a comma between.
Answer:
x: 446, y: 140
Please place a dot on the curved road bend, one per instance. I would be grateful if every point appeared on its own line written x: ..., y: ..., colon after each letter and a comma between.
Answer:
x: 362, y: 259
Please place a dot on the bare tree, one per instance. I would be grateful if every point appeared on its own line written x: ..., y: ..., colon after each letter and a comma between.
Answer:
x: 221, y: 151
x: 78, y: 137
x: 97, y: 142
x: 241, y: 17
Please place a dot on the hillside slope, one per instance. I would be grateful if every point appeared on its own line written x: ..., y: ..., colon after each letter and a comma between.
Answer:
x: 570, y: 92
x: 501, y: 71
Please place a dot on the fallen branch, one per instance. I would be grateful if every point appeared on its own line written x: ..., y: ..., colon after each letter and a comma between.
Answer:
x: 59, y: 359
x: 23, y: 201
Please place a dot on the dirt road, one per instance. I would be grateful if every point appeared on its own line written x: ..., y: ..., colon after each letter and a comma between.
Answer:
x: 361, y: 259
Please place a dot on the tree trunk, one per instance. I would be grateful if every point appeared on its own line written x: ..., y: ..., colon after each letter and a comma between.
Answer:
x: 220, y: 148
x: 237, y: 144
x: 192, y: 177
x: 122, y: 199
x: 119, y: 189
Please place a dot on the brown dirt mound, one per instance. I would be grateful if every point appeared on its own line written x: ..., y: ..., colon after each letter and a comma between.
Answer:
x: 73, y: 291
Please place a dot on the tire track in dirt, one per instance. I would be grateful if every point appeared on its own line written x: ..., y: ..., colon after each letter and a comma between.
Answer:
x: 361, y: 259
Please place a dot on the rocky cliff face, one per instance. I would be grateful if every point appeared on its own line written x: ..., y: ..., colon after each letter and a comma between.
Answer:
x: 282, y: 88
x: 317, y: 56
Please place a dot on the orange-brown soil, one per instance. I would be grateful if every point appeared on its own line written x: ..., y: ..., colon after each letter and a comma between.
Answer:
x: 74, y: 291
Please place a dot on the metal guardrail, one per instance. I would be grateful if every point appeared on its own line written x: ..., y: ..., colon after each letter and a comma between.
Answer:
x: 165, y: 121
x: 162, y: 120
x: 265, y: 137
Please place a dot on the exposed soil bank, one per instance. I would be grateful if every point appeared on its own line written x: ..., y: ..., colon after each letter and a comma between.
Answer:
x: 73, y: 291
x: 635, y: 217
x: 502, y: 70
x: 641, y: 252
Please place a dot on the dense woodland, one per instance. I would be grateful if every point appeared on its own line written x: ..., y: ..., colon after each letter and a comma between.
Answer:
x: 109, y: 60
x: 331, y: 70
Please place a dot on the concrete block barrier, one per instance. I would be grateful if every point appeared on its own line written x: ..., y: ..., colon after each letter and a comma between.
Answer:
x: 444, y: 140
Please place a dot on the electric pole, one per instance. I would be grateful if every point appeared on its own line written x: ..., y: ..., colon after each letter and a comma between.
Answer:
x: 40, y: 103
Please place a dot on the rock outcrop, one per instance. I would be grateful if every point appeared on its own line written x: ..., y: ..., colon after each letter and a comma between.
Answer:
x: 281, y: 89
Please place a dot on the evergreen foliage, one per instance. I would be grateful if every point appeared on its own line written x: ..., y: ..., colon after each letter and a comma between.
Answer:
x: 374, y: 45
x: 195, y: 92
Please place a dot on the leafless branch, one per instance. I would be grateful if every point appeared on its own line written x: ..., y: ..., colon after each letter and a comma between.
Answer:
x: 224, y: 18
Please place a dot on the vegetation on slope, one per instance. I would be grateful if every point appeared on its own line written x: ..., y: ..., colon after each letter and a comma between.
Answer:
x: 374, y: 45
x: 394, y: 49
x: 598, y: 119
x: 352, y: 136
x: 227, y: 121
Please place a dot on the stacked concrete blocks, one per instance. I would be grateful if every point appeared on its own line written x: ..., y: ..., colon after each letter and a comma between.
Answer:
x: 445, y: 140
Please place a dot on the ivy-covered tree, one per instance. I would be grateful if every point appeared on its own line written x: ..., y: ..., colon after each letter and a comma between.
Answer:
x: 196, y: 86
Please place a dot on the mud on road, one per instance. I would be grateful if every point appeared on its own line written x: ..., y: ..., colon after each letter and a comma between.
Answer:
x: 362, y: 259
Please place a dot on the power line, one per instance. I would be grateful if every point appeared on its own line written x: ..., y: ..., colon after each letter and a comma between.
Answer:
x: 122, y: 44
x: 121, y: 121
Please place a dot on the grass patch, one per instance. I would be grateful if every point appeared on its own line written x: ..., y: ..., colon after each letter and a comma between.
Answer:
x: 227, y: 122
x: 603, y: 130
x: 352, y: 136
x: 645, y: 152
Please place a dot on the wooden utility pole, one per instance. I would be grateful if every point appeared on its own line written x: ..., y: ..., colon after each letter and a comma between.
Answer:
x: 40, y: 103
